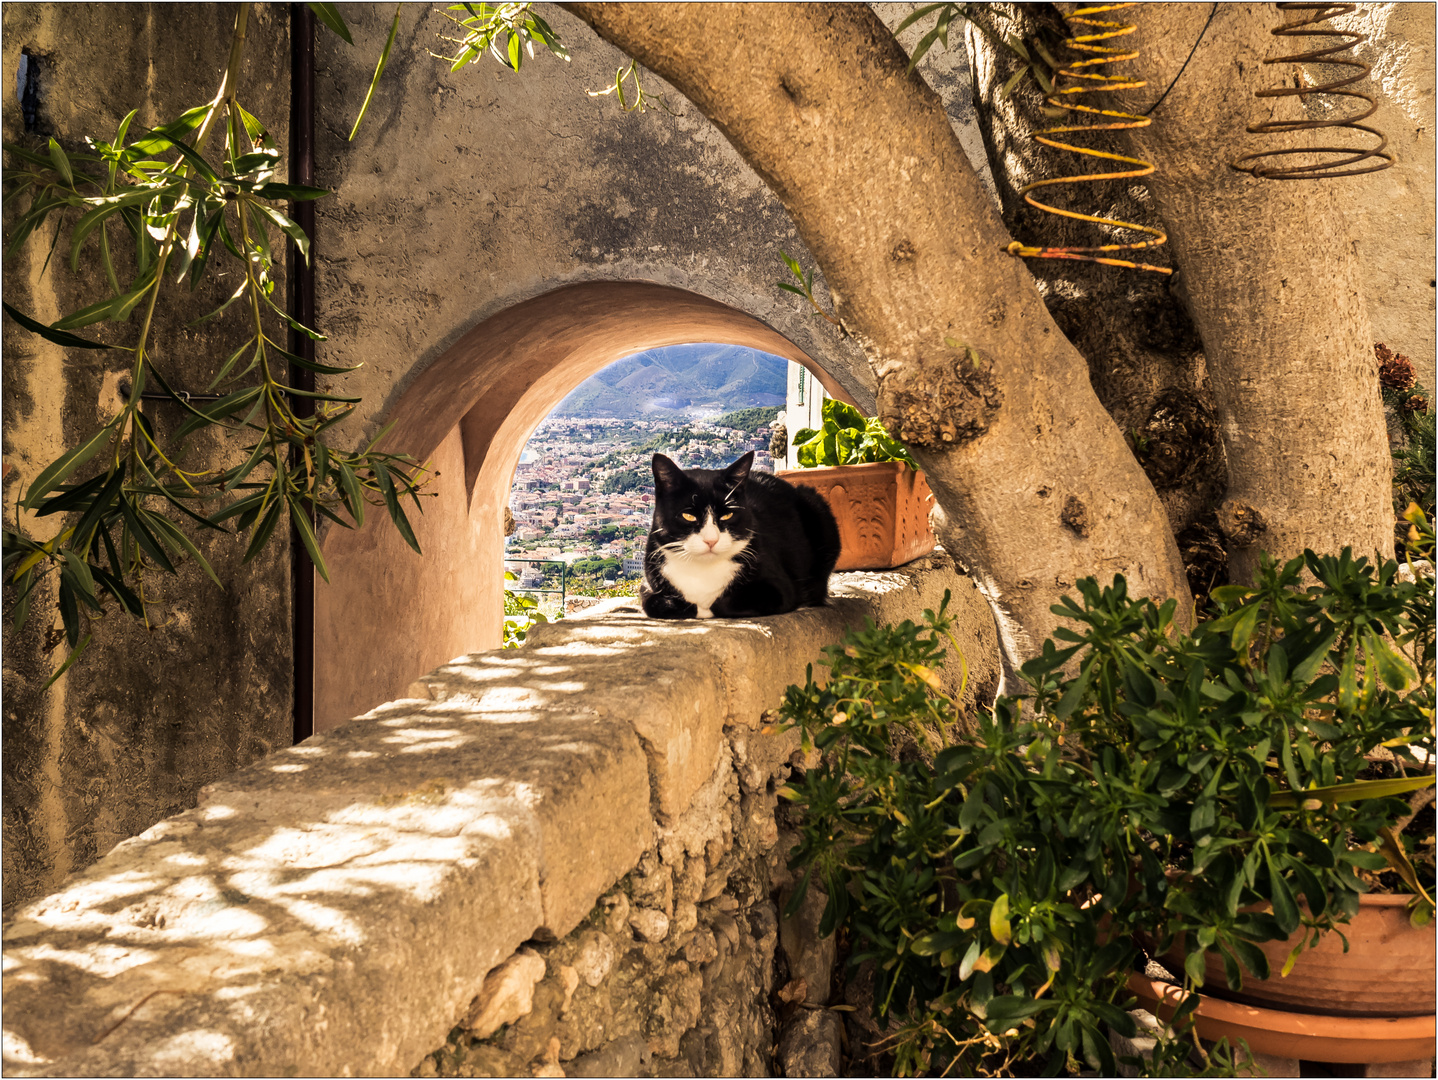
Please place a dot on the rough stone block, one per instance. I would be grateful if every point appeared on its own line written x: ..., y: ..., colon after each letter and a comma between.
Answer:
x: 809, y: 1043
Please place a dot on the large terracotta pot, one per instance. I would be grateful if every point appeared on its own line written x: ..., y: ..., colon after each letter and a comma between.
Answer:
x: 882, y: 510
x: 1388, y: 970
x: 1303, y: 1036
x: 1373, y: 1004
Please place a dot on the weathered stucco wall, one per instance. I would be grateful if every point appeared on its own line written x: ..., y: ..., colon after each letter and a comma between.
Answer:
x: 146, y: 716
x: 1391, y: 214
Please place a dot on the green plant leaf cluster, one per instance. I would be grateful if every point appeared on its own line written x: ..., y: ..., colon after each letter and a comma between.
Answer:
x: 1036, y: 60
x: 847, y: 438
x: 1205, y: 791
x: 507, y: 32
x: 154, y: 212
x: 521, y: 613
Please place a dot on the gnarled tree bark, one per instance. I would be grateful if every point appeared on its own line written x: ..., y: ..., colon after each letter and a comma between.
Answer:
x: 1037, y: 483
x: 1269, y: 274
x: 1144, y: 355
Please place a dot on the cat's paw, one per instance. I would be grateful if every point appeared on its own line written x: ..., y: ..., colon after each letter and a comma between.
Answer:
x: 704, y: 613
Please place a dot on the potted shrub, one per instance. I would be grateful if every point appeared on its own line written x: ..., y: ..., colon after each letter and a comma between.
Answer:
x: 1217, y: 791
x: 879, y: 497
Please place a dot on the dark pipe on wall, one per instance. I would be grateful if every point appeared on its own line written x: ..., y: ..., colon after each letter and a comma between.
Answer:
x: 302, y: 308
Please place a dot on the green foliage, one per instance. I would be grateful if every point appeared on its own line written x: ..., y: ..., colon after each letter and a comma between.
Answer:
x: 128, y: 492
x: 506, y: 32
x: 1036, y: 58
x: 595, y: 566
x: 1180, y: 786
x: 1413, y: 459
x: 520, y: 613
x: 847, y: 438
x: 637, y: 478
x: 805, y: 288
x: 638, y: 99
x: 749, y: 420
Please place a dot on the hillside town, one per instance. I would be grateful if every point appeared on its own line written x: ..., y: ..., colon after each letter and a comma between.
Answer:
x: 583, y: 492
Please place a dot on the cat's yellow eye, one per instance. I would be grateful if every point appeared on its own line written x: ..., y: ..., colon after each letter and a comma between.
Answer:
x: 689, y: 517
x: 725, y: 517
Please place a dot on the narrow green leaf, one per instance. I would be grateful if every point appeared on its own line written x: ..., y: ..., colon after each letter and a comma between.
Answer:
x: 915, y: 15
x: 330, y: 16
x: 354, y: 498
x: 253, y: 127
x: 61, y: 163
x: 161, y: 137
x: 148, y: 544
x: 267, y: 526
x: 291, y: 192
x: 301, y: 521
x: 1013, y: 81
x: 104, y: 503
x: 59, y: 337
x: 1356, y: 791
x: 396, y: 512
x: 379, y: 71
x: 217, y: 411
x: 59, y: 470
x: 74, y: 655
x: 170, y: 531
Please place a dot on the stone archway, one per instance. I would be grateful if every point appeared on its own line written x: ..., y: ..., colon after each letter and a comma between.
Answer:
x: 389, y: 615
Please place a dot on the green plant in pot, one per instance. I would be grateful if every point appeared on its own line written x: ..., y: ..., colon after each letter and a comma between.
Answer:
x: 879, y: 497
x: 1218, y: 790
x: 847, y: 438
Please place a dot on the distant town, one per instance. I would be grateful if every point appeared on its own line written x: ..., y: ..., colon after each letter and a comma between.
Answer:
x: 583, y: 492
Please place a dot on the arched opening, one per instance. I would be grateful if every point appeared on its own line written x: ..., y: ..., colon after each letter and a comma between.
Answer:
x: 390, y: 616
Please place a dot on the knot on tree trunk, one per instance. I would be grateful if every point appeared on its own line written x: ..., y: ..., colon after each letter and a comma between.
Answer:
x: 1075, y: 515
x: 938, y: 404
x: 1178, y: 441
x: 1242, y: 524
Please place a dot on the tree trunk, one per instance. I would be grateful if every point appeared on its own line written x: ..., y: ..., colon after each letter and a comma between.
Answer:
x: 1144, y: 356
x: 1036, y: 482
x: 1271, y: 279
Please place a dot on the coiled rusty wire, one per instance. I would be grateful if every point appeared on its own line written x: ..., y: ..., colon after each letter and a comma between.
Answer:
x: 1350, y: 156
x: 1091, y: 82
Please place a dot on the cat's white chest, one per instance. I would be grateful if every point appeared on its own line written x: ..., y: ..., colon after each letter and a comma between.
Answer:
x: 700, y: 579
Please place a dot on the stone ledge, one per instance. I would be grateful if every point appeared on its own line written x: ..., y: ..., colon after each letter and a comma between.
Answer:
x: 335, y: 908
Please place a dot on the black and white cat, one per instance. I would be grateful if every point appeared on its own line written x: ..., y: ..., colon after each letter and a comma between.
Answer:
x: 731, y: 543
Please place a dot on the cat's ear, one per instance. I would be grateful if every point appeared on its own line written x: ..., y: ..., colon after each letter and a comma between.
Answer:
x: 668, y: 477
x: 737, y: 473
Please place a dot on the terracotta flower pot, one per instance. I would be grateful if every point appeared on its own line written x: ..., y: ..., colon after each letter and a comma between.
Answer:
x: 1374, y: 1003
x: 882, y: 510
x: 1388, y: 970
x: 1303, y: 1036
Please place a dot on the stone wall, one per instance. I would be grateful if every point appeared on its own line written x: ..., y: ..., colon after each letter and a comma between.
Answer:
x: 603, y: 797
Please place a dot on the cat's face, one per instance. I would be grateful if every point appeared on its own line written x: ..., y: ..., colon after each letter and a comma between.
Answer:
x: 701, y: 514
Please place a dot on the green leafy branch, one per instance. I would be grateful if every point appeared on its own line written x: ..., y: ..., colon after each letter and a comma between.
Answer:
x: 174, y: 210
x: 639, y: 99
x: 1204, y: 791
x: 805, y: 288
x: 1036, y: 59
x: 506, y: 32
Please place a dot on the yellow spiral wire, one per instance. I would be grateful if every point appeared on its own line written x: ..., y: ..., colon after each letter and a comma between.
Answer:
x: 1100, y: 31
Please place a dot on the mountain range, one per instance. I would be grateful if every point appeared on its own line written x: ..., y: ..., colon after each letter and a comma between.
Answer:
x: 688, y: 380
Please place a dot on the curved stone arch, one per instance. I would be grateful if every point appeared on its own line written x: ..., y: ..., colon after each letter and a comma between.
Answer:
x: 389, y: 616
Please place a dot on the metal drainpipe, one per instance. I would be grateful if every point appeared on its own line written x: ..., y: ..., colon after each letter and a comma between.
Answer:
x: 302, y: 307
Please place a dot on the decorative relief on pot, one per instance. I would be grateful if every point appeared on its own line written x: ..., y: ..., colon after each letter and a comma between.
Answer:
x: 882, y: 511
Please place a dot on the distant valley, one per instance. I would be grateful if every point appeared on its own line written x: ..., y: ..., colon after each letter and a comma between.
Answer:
x: 680, y: 380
